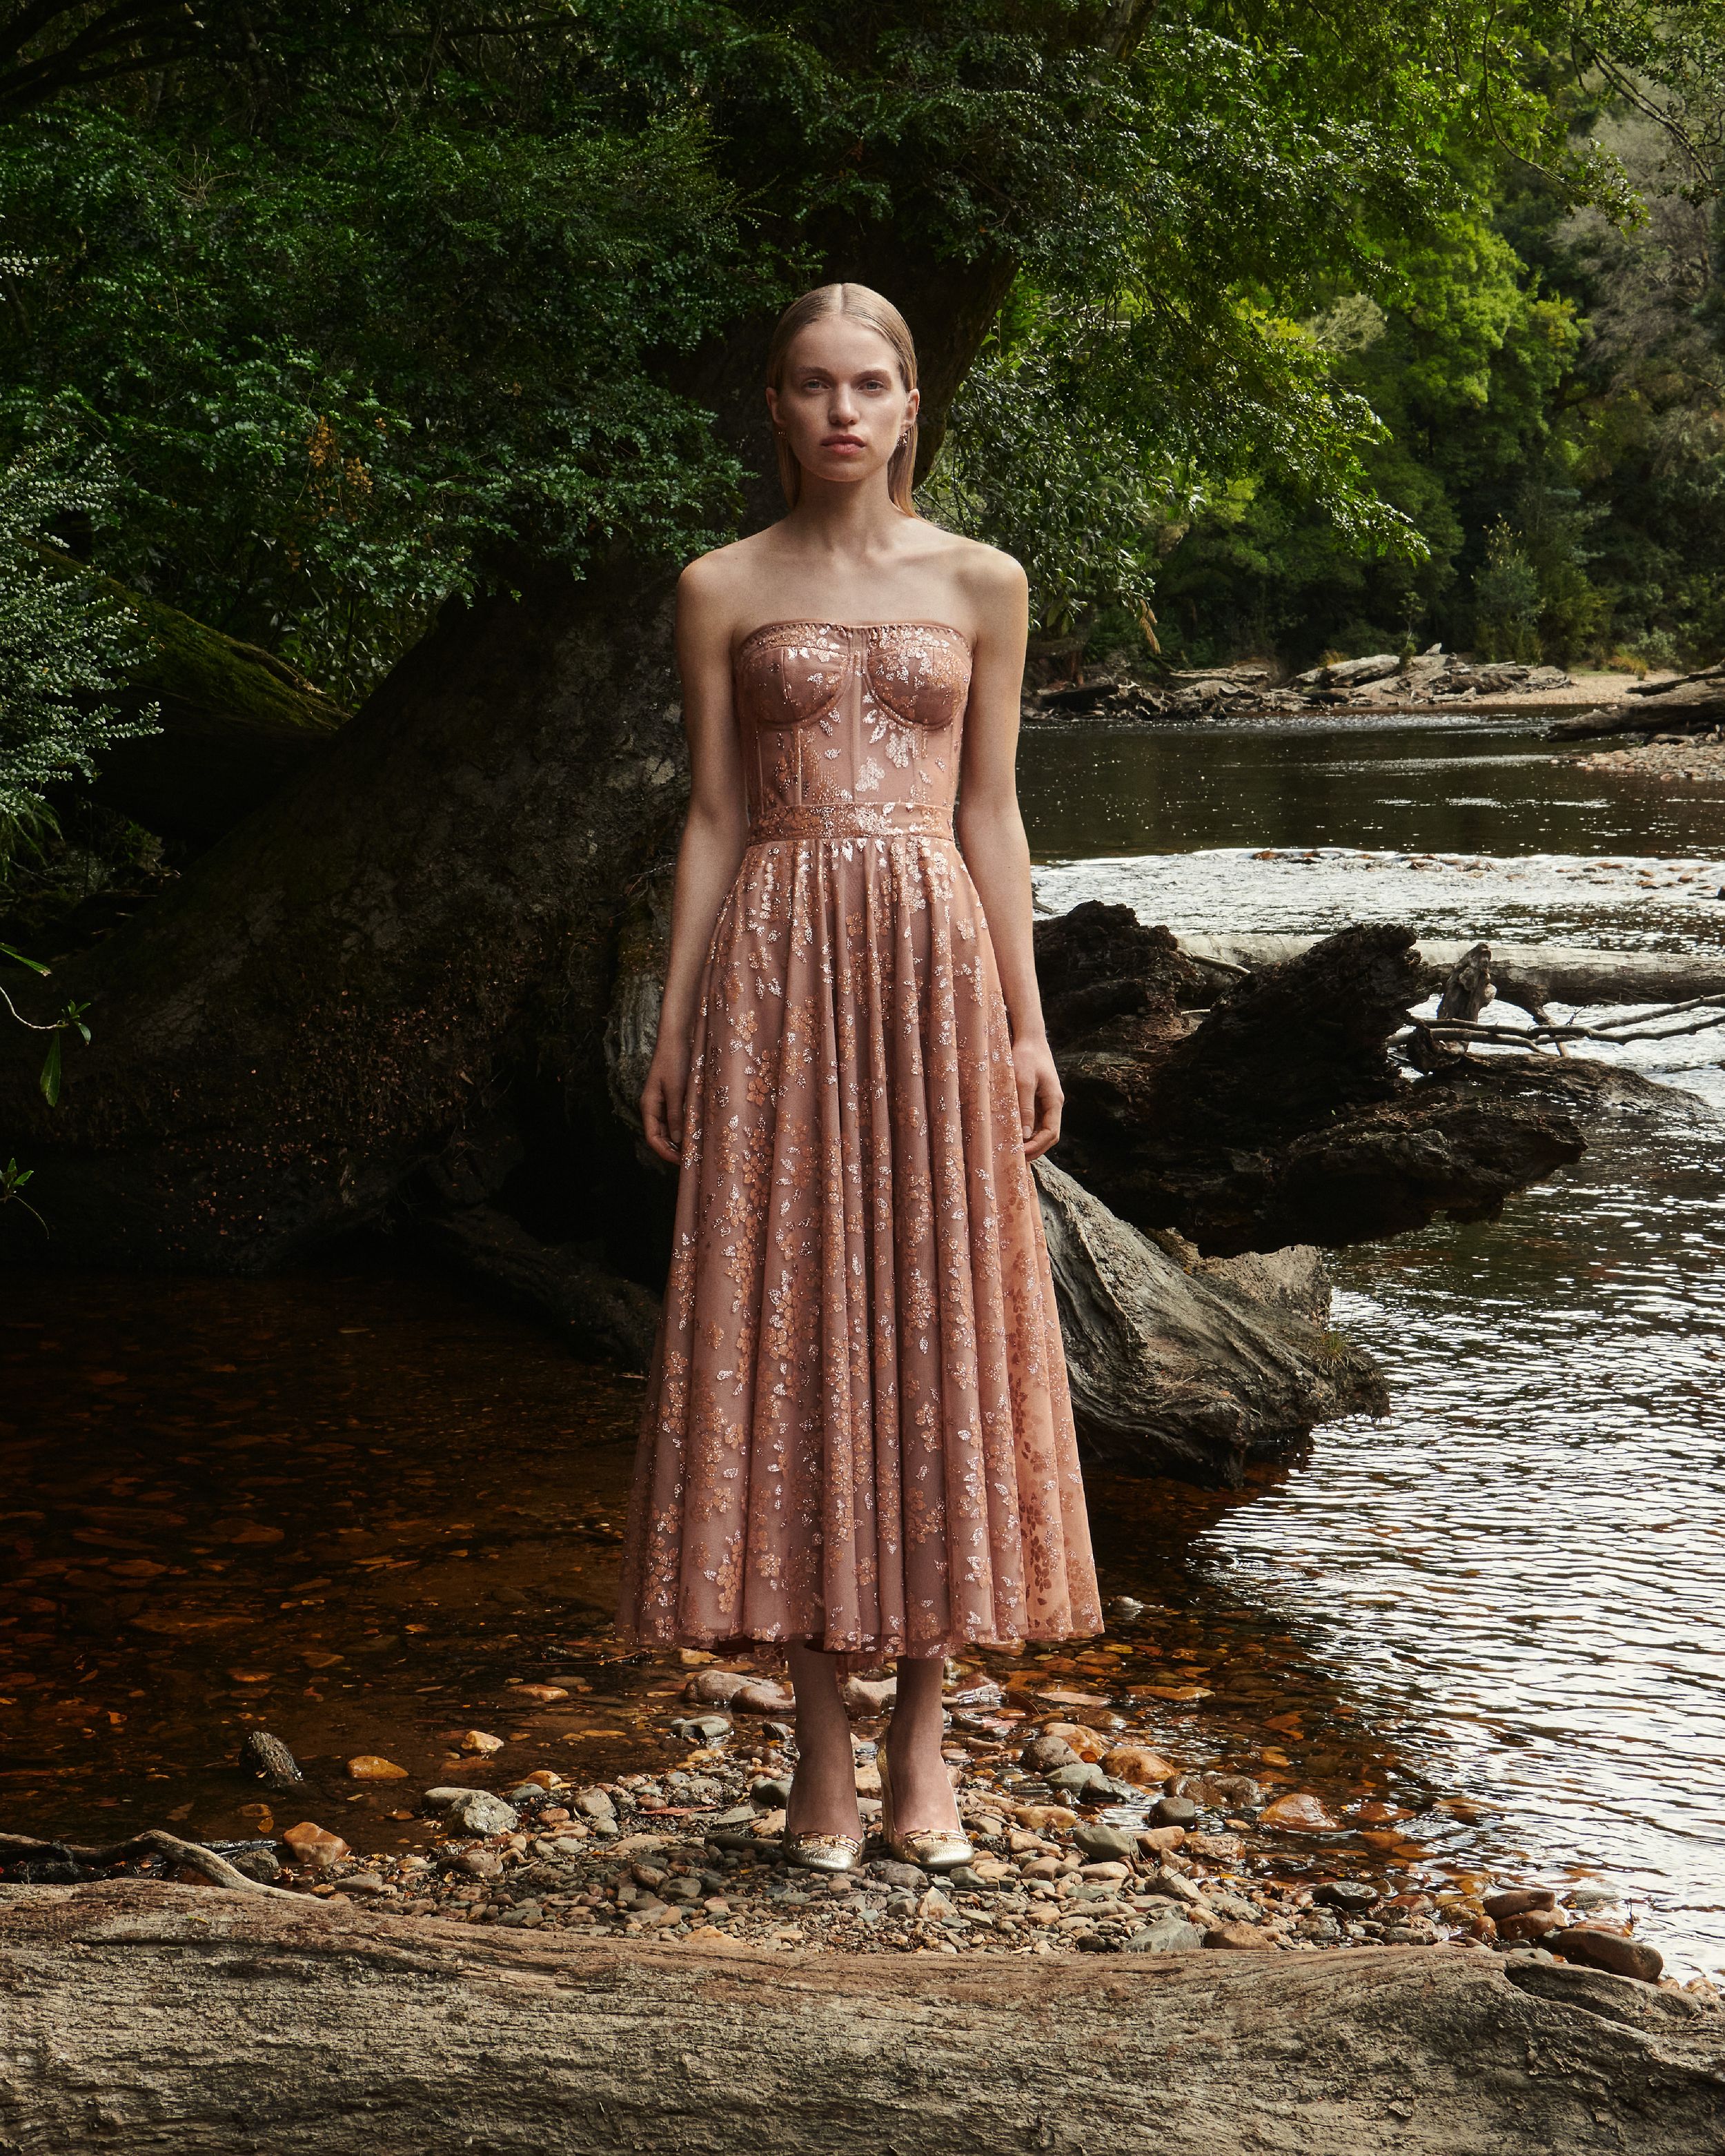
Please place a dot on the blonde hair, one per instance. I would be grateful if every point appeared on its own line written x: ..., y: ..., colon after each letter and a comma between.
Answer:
x: 861, y: 304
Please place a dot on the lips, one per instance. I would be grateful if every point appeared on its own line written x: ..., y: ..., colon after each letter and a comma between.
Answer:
x: 843, y: 442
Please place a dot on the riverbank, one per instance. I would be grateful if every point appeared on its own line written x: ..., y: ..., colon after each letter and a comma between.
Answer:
x: 1696, y: 760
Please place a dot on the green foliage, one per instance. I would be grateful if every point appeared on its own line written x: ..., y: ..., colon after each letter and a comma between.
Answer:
x: 65, y: 644
x: 1506, y: 600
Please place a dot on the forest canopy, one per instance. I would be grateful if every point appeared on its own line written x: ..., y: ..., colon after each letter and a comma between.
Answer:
x: 1323, y: 329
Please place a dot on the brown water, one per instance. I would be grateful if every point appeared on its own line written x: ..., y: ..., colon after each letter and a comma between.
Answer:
x: 349, y: 1507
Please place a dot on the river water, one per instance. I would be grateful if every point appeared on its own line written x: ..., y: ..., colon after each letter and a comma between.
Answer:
x: 1521, y: 1570
x: 355, y: 1507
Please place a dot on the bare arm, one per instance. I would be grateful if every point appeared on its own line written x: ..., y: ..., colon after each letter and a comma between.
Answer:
x: 714, y: 837
x: 991, y: 833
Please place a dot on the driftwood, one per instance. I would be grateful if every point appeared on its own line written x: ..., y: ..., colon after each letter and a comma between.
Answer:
x: 168, y: 2021
x: 599, y: 1314
x: 1529, y: 975
x: 1187, y: 1366
x: 1280, y: 1116
x: 1695, y: 705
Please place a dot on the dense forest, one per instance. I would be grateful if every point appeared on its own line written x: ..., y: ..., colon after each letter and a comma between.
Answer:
x: 1324, y: 330
x: 368, y: 368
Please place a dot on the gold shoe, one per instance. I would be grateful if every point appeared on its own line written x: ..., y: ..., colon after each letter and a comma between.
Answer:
x: 823, y: 1852
x: 936, y: 1849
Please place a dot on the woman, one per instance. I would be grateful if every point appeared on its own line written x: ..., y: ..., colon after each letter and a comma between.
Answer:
x: 858, y: 1441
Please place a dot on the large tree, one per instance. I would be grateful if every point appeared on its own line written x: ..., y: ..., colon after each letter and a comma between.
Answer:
x: 388, y: 987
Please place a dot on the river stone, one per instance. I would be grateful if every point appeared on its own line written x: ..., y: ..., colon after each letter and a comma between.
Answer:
x: 1175, y: 1811
x: 1168, y: 1935
x: 1612, y: 1950
x: 896, y: 1874
x: 477, y: 1811
x: 1078, y: 1780
x: 1104, y: 1843
x: 1353, y: 1896
x: 1045, y: 1755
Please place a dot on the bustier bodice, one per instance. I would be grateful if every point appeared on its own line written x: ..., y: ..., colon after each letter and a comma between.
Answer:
x: 851, y: 729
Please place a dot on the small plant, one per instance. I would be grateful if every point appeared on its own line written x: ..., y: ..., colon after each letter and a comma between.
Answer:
x: 12, y: 1177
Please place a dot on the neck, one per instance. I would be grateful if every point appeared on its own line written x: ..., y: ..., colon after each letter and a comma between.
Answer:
x: 849, y: 518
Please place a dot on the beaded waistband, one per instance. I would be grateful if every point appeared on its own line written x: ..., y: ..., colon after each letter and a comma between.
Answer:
x: 807, y: 819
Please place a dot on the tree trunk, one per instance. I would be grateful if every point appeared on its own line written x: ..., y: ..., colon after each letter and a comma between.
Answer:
x: 416, y: 933
x: 1279, y: 1117
x: 173, y: 2021
x: 1187, y: 1366
x: 1529, y: 975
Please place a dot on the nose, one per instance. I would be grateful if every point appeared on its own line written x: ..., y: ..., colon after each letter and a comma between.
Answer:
x: 842, y: 412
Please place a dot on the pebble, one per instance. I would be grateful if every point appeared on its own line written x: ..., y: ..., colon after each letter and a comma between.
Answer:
x: 1614, y: 1951
x: 315, y: 1846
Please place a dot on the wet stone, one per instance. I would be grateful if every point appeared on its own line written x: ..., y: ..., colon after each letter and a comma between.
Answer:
x: 477, y: 1811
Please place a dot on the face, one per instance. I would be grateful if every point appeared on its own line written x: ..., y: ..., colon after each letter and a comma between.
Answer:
x: 842, y: 405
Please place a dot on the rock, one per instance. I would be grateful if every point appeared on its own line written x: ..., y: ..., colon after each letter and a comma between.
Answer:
x: 761, y: 1699
x: 1176, y: 1811
x: 1078, y: 1779
x: 478, y: 1863
x: 769, y: 1791
x: 865, y: 1697
x: 268, y: 1760
x: 1126, y: 1608
x: 370, y: 1766
x: 1614, y: 1951
x: 1166, y: 1935
x: 479, y: 1743
x: 1043, y: 1755
x: 1239, y: 1937
x: 1138, y: 1764
x: 1355, y: 1896
x: 536, y: 1694
x: 889, y: 1870
x: 1154, y: 1840
x: 1531, y: 1925
x: 477, y: 1811
x: 365, y: 1882
x: 1179, y: 1364
x: 1299, y: 1813
x: 1177, y: 1887
x: 315, y: 1846
x: 595, y: 1804
x: 1039, y: 1818
x: 1516, y: 1900
x: 1219, y: 1792
x: 1619, y: 1999
x: 1104, y: 1842
x: 256, y: 1860
x: 441, y: 1798
x: 702, y: 1729
x: 1085, y: 1743
x: 716, y: 1687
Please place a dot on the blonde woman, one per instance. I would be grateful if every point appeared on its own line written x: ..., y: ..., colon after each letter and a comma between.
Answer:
x: 858, y: 1443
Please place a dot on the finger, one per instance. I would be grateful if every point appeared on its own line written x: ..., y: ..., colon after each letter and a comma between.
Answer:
x: 1027, y: 1108
x: 653, y: 1123
x: 1047, y: 1132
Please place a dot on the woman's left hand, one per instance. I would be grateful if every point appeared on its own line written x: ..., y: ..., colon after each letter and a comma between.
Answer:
x: 1039, y: 1096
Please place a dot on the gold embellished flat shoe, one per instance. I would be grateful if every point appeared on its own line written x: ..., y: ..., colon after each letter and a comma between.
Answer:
x: 823, y: 1852
x: 935, y: 1848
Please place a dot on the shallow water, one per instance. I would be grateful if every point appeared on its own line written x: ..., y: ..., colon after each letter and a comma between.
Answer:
x: 354, y: 1507
x: 1520, y: 1571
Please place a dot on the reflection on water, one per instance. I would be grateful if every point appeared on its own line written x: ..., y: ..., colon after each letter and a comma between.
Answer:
x: 1519, y: 1572
x: 1467, y: 787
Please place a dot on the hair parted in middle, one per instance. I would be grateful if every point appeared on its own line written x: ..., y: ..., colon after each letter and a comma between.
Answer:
x: 863, y: 304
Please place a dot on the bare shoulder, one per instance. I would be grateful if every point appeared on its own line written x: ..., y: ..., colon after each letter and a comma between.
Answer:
x: 992, y: 582
x: 719, y: 592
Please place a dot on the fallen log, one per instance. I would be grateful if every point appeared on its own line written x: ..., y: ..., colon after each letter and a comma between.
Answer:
x: 1529, y: 975
x: 172, y: 2021
x: 1187, y: 1366
x: 1691, y: 706
x: 1279, y: 1117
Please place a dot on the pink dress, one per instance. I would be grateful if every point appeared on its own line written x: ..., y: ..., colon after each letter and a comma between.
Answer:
x: 857, y: 1430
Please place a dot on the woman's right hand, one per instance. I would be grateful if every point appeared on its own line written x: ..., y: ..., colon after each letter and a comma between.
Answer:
x: 662, y: 1100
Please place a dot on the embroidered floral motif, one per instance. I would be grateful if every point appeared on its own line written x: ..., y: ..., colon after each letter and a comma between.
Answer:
x: 857, y: 1428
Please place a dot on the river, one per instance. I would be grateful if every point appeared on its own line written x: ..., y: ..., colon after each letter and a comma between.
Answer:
x: 355, y: 1507
x: 1521, y: 1569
